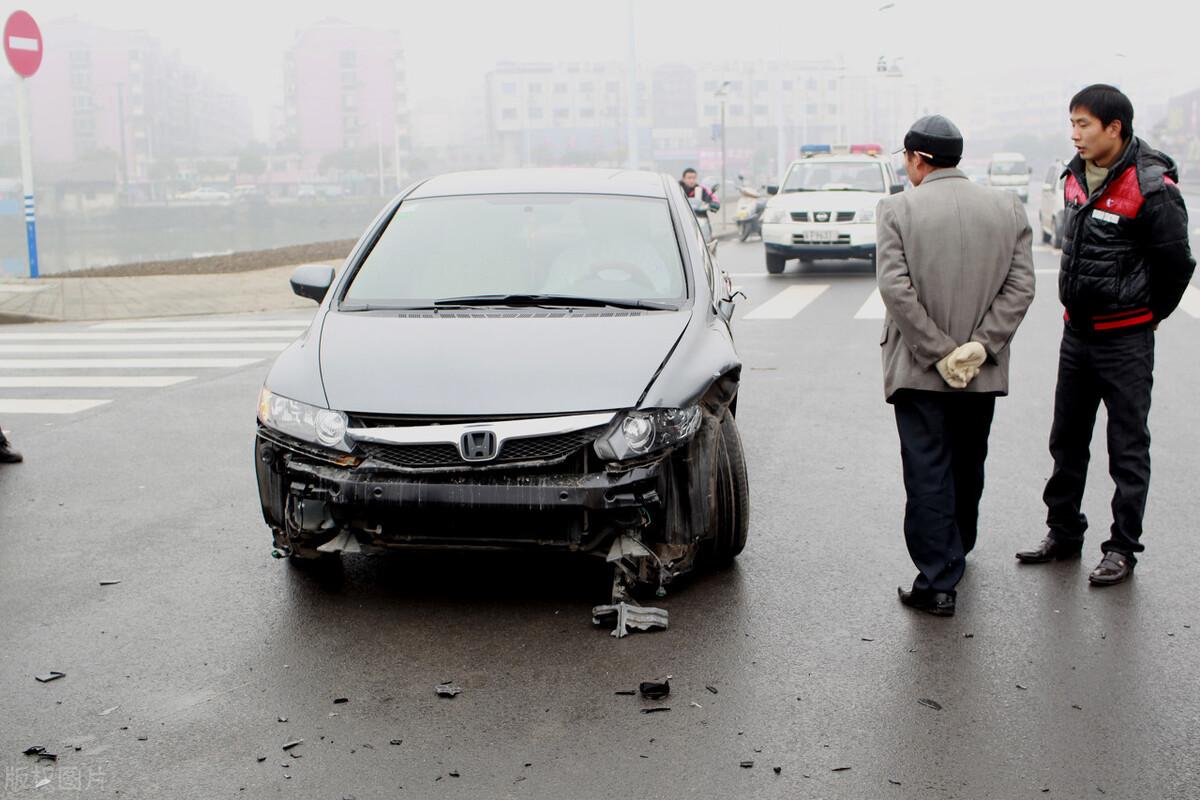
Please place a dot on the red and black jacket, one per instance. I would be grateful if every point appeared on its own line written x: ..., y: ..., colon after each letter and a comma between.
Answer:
x: 1126, y: 261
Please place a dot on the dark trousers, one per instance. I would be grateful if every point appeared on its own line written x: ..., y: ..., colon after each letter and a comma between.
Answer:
x: 943, y: 444
x: 1118, y: 370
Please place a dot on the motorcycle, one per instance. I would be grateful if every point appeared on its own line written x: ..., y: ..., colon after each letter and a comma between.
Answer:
x: 749, y: 214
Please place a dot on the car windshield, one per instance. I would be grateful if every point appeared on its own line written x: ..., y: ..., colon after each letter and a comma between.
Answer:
x: 555, y: 246
x: 1009, y: 168
x: 832, y: 176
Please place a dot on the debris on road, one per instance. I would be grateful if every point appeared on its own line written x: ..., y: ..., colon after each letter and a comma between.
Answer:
x: 934, y: 704
x: 1077, y: 707
x: 696, y: 705
x: 109, y: 583
x: 968, y: 636
x: 454, y: 773
x: 41, y: 753
x: 746, y: 764
x: 283, y: 719
x: 894, y: 783
x: 337, y: 700
x: 52, y: 675
x: 777, y: 770
x: 712, y: 689
x: 396, y: 742
x: 867, y: 639
x: 626, y: 692
x: 655, y: 690
x: 293, y: 743
x: 656, y: 709
x: 1022, y: 688
x: 447, y: 689
x: 261, y: 759
x: 108, y: 711
x: 627, y: 617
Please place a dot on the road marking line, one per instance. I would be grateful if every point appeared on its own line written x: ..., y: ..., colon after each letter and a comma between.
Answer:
x: 148, y: 347
x: 1046, y: 271
x: 1191, y: 301
x: 124, y: 363
x: 14, y: 406
x: 788, y: 303
x: 873, y: 308
x: 141, y: 336
x: 92, y: 381
x: 1043, y: 248
x: 202, y: 324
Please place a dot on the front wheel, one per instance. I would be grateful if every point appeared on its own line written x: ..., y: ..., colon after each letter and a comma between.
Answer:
x: 733, y: 495
x: 775, y: 263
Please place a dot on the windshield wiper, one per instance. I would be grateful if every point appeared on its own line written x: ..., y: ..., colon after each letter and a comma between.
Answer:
x: 551, y: 300
x: 384, y: 307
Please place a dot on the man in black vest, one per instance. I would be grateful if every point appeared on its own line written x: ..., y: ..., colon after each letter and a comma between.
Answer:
x: 1126, y: 263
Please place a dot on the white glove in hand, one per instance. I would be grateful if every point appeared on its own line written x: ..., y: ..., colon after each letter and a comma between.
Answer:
x: 962, y: 365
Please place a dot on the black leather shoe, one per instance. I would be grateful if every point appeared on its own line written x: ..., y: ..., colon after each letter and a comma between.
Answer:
x: 1050, y: 549
x: 8, y: 455
x: 1112, y: 569
x: 939, y: 604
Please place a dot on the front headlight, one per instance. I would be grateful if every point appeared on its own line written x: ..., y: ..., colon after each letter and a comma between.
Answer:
x: 865, y: 216
x: 637, y: 433
x: 302, y: 421
x: 773, y: 216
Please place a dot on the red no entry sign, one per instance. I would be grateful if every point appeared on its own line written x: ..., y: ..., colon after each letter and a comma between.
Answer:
x: 23, y: 43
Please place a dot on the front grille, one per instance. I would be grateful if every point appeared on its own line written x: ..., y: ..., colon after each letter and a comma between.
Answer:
x: 799, y: 216
x: 442, y: 456
x: 845, y: 216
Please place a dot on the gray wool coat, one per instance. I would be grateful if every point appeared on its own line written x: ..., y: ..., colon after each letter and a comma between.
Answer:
x: 955, y: 264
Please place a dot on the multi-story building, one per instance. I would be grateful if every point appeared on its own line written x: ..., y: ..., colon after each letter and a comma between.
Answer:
x: 346, y: 90
x: 121, y: 97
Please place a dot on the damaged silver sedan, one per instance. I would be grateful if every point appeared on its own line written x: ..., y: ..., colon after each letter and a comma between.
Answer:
x: 514, y: 359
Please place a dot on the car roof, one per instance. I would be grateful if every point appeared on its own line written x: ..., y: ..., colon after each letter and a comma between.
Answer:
x: 567, y: 180
x: 862, y: 158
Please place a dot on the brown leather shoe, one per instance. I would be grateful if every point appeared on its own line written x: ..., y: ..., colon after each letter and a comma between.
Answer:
x: 1050, y: 549
x: 1113, y: 569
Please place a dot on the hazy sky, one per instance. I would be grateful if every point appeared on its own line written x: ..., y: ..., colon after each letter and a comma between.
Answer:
x: 450, y: 45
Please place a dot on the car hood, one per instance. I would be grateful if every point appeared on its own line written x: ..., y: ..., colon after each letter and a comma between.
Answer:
x: 827, y: 201
x: 482, y: 364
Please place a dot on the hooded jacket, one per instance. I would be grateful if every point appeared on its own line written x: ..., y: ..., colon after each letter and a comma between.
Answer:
x: 1126, y: 260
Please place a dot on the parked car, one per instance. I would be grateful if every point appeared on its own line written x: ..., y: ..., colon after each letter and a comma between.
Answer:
x: 1052, y: 211
x: 1010, y: 172
x: 572, y: 387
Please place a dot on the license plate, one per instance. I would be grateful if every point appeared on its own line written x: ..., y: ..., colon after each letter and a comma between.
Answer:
x: 821, y: 236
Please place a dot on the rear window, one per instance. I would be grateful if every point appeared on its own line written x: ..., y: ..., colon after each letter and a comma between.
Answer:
x: 594, y: 246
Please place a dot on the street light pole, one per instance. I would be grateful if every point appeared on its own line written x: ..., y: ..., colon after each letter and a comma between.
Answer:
x: 722, y: 158
x: 27, y: 174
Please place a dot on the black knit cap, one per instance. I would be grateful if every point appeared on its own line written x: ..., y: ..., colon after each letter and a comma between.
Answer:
x: 937, y: 138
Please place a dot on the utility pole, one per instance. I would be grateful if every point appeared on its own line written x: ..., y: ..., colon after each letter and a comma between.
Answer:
x: 631, y: 130
x: 722, y: 94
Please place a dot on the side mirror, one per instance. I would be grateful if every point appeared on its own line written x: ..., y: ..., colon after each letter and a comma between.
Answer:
x: 896, y: 188
x: 772, y: 189
x: 312, y: 281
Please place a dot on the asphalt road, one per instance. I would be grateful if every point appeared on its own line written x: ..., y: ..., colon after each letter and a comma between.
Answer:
x: 1046, y: 686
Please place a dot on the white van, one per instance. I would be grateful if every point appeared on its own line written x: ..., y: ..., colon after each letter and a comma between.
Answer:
x: 1010, y: 172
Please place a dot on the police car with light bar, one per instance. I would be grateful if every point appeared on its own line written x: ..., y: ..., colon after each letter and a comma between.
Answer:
x: 825, y: 205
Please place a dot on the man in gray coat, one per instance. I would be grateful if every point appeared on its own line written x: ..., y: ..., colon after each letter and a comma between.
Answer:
x: 955, y: 266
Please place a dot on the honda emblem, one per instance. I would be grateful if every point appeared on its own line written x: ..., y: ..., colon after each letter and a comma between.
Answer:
x: 477, y: 446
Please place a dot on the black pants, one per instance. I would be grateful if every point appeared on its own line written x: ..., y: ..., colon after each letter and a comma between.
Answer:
x: 1118, y: 370
x: 943, y: 444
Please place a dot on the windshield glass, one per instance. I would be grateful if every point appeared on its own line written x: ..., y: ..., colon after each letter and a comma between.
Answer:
x: 587, y: 246
x: 829, y: 176
x: 1009, y: 168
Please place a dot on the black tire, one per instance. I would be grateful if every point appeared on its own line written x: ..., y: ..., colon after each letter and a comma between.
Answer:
x: 775, y: 263
x: 733, y: 495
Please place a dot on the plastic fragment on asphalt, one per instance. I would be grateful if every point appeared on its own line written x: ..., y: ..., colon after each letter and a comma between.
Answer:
x: 396, y: 742
x: 40, y: 752
x: 261, y: 759
x: 746, y: 764
x: 777, y: 770
x: 838, y: 769
x: 447, y: 689
x: 934, y: 704
x: 627, y: 617
x: 109, y: 583
x: 293, y: 743
x: 344, y: 542
x: 712, y: 689
x: 655, y: 710
x: 1022, y: 688
x: 454, y: 774
x: 41, y: 783
x: 283, y: 719
x: 52, y: 675
x: 894, y: 783
x: 341, y: 700
x: 696, y: 705
x: 655, y: 690
x: 628, y: 692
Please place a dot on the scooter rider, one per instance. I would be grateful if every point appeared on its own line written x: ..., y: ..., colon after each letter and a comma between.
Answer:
x: 701, y: 198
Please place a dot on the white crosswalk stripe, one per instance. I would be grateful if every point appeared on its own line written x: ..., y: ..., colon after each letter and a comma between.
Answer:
x: 1190, y: 303
x: 873, y: 308
x: 56, y: 371
x: 788, y: 303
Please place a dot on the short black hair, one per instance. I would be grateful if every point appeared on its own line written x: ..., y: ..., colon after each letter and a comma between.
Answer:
x: 943, y: 162
x: 1106, y: 103
x: 686, y: 171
